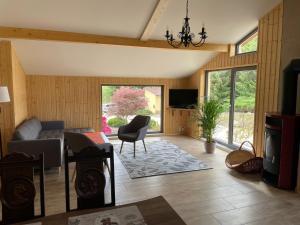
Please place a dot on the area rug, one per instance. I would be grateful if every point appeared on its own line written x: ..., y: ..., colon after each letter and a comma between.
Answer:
x: 162, y: 157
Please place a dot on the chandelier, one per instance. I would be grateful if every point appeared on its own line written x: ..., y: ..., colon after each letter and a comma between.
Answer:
x: 185, y: 35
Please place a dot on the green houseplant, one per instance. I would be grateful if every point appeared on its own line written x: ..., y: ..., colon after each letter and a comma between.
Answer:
x: 206, y: 116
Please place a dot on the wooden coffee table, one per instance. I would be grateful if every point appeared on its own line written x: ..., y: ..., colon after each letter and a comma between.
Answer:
x: 156, y: 211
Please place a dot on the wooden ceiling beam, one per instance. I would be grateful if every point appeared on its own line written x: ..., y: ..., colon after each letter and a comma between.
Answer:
x: 48, y: 35
x: 154, y: 19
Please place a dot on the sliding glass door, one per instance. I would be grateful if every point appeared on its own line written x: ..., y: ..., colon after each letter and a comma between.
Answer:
x: 121, y: 103
x: 236, y: 89
x: 218, y: 87
x: 244, y: 105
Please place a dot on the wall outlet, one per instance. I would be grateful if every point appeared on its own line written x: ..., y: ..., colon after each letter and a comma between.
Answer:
x: 181, y: 129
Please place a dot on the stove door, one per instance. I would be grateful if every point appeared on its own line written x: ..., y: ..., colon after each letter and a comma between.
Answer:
x: 272, y: 150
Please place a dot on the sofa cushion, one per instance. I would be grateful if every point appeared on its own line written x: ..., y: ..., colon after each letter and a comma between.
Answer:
x: 47, y: 134
x: 29, y: 130
x: 79, y: 130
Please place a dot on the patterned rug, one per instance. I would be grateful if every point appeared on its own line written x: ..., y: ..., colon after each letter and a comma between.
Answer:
x: 162, y: 157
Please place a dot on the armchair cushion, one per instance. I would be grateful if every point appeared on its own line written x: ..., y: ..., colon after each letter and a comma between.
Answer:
x: 130, y: 137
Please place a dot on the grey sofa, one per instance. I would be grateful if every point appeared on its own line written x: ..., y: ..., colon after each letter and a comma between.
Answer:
x: 34, y: 137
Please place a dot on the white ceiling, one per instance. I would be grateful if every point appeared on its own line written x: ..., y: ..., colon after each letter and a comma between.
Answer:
x: 226, y: 21
x: 107, y: 17
x: 63, y: 58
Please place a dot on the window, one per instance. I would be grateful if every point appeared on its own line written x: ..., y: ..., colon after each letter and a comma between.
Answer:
x: 236, y: 88
x: 248, y: 43
x: 120, y: 104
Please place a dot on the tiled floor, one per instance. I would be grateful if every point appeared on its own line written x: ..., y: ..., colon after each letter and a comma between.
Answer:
x: 208, y: 197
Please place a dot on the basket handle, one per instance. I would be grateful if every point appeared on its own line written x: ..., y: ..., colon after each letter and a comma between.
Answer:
x: 253, y: 149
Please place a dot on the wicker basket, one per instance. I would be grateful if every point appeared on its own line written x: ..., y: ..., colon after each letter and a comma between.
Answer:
x: 244, y: 161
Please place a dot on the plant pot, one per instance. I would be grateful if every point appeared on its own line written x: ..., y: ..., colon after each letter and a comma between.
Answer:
x: 210, y: 147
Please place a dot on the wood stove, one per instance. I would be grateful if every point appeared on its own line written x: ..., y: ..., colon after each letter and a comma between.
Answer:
x: 281, y: 150
x: 282, y: 135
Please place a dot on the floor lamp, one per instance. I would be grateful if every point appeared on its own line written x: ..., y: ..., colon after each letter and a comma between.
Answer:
x: 4, y: 97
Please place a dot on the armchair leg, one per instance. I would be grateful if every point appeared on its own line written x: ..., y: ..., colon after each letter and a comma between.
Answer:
x: 134, y: 149
x: 144, y: 145
x: 121, y: 147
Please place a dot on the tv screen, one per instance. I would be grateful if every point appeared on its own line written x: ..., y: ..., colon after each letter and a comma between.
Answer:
x: 183, y: 98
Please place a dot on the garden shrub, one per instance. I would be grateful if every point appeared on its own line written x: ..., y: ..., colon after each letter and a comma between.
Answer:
x: 116, y: 122
x: 154, y: 125
x: 144, y: 112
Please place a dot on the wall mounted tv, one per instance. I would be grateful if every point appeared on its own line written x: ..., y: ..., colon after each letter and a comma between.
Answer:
x: 183, y: 98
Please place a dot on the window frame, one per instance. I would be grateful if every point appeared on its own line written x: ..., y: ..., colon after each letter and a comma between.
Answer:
x: 144, y: 85
x: 233, y: 72
x: 250, y: 34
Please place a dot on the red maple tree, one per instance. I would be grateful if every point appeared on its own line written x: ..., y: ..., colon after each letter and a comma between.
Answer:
x: 127, y: 101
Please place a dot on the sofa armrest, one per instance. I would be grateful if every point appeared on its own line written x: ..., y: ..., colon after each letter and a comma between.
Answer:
x: 53, y: 125
x: 52, y: 149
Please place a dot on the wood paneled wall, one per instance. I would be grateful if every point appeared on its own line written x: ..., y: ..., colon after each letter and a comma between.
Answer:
x: 77, y: 100
x: 7, y: 114
x: 267, y: 60
x: 12, y: 76
x: 19, y: 90
x: 268, y: 71
x: 223, y: 61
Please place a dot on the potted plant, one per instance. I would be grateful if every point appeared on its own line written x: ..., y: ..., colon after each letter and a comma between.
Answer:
x: 206, y: 116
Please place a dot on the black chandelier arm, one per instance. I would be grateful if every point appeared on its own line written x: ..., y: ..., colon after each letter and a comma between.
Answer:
x: 202, y: 39
x: 172, y: 43
x: 198, y: 44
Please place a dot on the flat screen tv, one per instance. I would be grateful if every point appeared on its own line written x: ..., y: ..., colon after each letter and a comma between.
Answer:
x: 183, y: 98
